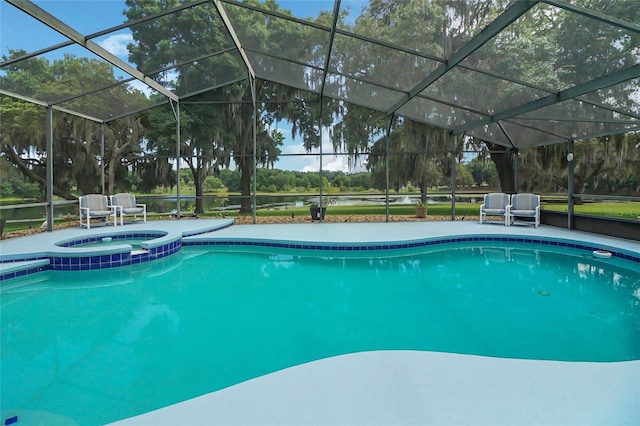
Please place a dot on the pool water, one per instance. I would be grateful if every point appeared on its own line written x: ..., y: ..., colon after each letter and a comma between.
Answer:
x: 107, y: 242
x: 98, y: 346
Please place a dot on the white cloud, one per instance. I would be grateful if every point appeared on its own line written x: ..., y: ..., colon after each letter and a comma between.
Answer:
x: 138, y: 85
x: 117, y: 45
x: 297, y: 158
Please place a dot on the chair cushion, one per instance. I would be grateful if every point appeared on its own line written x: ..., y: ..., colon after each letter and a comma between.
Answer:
x: 135, y: 210
x: 524, y: 202
x: 494, y: 211
x: 127, y: 201
x: 100, y: 213
x: 95, y: 202
x: 496, y: 200
x: 530, y: 213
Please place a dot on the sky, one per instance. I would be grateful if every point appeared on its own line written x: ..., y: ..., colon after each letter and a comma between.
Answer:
x: 20, y: 31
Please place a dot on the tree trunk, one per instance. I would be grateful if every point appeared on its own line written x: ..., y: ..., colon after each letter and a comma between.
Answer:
x: 111, y: 177
x: 423, y: 191
x: 503, y: 159
x: 198, y: 182
x: 245, y: 186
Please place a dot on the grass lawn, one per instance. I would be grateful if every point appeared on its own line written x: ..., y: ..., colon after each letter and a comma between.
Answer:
x: 396, y: 210
x: 620, y: 210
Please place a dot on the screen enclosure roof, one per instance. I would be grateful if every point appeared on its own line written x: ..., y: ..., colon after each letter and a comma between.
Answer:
x: 518, y: 74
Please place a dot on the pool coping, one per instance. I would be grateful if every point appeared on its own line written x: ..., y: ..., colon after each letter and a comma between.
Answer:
x: 57, y: 252
x: 396, y: 387
x: 18, y: 259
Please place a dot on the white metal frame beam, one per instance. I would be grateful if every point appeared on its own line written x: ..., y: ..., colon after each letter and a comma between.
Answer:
x: 234, y: 37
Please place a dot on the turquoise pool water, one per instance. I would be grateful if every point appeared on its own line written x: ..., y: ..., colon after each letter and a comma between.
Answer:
x: 107, y: 241
x: 133, y: 242
x: 99, y: 346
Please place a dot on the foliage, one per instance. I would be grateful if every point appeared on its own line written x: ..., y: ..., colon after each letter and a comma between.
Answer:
x: 212, y: 183
x: 214, y: 134
x: 76, y: 141
x: 549, y: 54
x: 483, y: 172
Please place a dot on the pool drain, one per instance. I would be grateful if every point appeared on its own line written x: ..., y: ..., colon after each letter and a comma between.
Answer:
x: 544, y: 293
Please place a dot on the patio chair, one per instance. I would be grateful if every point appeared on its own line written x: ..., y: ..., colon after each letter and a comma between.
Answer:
x: 125, y: 204
x: 96, y: 206
x: 525, y: 205
x: 495, y: 204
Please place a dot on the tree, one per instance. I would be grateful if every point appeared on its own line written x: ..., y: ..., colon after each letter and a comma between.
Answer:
x: 76, y: 141
x: 213, y: 134
x: 482, y: 171
x: 417, y: 155
x: 212, y: 183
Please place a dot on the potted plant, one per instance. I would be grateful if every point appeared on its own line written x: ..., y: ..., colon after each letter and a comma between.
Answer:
x: 421, y: 209
x: 318, y: 209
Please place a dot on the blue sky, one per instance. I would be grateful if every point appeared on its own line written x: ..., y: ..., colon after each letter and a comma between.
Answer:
x: 19, y: 31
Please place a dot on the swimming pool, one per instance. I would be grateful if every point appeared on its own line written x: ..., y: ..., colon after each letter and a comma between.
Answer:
x: 123, y: 341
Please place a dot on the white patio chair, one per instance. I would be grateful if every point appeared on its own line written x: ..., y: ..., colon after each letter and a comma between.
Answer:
x: 495, y: 204
x: 126, y: 205
x: 525, y: 205
x: 95, y: 206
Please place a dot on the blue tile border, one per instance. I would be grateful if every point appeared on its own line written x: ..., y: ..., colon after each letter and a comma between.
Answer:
x: 114, y: 260
x: 68, y: 255
x: 76, y: 262
x: 415, y: 244
x: 62, y: 262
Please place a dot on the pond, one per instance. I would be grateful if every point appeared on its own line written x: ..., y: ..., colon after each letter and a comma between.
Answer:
x: 166, y: 204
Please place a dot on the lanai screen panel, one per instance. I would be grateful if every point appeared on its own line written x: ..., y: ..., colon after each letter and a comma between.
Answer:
x: 557, y: 45
x: 279, y: 37
x: 436, y: 113
x: 378, y: 64
x: 576, y: 119
x: 480, y: 92
x: 360, y: 92
x: 89, y: 73
x: 530, y: 134
x: 110, y: 13
x: 163, y: 43
x: 113, y: 101
x: 624, y: 97
x: 432, y: 28
x: 492, y: 133
x: 618, y: 9
x: 14, y: 21
x: 286, y: 72
x: 554, y: 49
x: 206, y: 73
x: 557, y: 49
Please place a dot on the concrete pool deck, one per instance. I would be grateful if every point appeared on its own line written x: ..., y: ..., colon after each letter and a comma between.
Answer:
x: 398, y: 387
